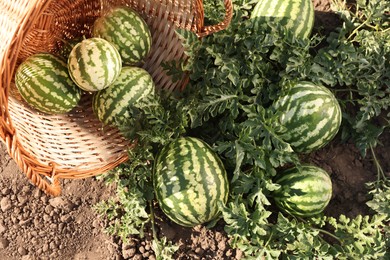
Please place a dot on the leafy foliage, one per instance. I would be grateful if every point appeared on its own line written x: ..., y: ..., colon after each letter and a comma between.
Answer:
x: 379, y: 191
x: 360, y: 237
x: 380, y: 200
x: 358, y: 58
x: 151, y: 126
x: 235, y: 75
x: 164, y: 249
x: 127, y: 211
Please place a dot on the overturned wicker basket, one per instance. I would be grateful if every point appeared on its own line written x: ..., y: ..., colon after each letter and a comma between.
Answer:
x: 48, y: 148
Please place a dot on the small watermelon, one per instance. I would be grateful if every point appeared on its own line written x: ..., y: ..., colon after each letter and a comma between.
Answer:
x: 190, y: 181
x: 44, y: 83
x: 294, y: 15
x: 127, y: 31
x: 111, y: 104
x: 311, y: 114
x: 94, y: 64
x: 304, y: 191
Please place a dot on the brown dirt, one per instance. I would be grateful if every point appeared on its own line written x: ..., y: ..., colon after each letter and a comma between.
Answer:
x: 36, y: 226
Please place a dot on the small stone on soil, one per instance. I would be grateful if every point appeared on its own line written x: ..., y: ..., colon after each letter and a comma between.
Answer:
x: 3, y: 243
x: 22, y: 251
x: 2, y: 228
x: 5, y: 204
x: 128, y: 253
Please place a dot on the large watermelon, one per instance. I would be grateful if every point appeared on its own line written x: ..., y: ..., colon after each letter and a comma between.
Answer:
x: 304, y: 191
x: 44, y: 83
x: 111, y: 104
x: 190, y: 181
x: 311, y: 114
x: 296, y: 16
x: 127, y: 31
x: 94, y: 64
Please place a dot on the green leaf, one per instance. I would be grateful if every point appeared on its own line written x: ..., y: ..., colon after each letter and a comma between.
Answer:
x: 242, y: 222
x: 380, y: 198
x: 127, y: 211
x: 164, y: 249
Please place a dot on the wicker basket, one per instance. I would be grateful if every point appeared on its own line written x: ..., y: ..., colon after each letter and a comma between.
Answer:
x: 48, y: 148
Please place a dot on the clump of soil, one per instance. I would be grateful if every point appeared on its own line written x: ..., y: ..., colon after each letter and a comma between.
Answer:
x: 36, y: 226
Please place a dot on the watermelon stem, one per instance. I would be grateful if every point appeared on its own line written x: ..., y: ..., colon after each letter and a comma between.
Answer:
x: 379, y: 170
x: 346, y: 89
x: 269, y: 239
x: 356, y: 30
x: 328, y: 234
x: 152, y: 219
x: 320, y: 230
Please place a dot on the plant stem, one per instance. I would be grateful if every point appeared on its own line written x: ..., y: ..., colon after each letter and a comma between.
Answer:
x: 321, y: 231
x: 379, y: 170
x: 385, y: 30
x: 328, y: 234
x: 346, y: 89
x: 269, y: 239
x: 152, y: 219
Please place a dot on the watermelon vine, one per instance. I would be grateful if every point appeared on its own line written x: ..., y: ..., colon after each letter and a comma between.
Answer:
x: 235, y: 77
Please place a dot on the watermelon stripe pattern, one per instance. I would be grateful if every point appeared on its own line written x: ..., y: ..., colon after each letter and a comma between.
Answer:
x: 94, y: 64
x: 294, y: 15
x: 190, y: 180
x: 44, y: 83
x: 311, y: 114
x: 111, y: 104
x: 305, y: 191
x: 127, y: 31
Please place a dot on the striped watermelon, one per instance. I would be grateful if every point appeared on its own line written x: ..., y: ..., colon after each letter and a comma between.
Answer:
x: 311, y: 114
x: 296, y: 16
x: 94, y: 64
x: 127, y: 31
x: 190, y: 181
x: 44, y: 83
x: 111, y: 104
x: 304, y: 191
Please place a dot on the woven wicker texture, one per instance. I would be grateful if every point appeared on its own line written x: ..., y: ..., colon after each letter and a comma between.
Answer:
x: 48, y: 148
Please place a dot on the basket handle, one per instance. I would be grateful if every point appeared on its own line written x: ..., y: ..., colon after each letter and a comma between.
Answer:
x: 210, y: 29
x: 49, y: 184
x: 52, y: 184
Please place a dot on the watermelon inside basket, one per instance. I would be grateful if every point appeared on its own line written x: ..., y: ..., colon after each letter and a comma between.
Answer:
x: 48, y: 148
